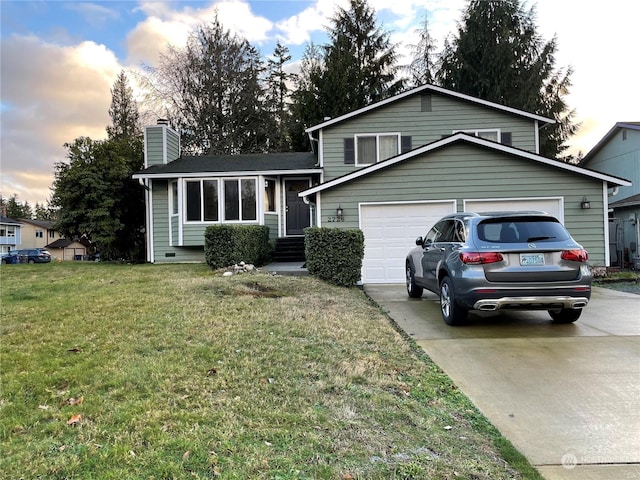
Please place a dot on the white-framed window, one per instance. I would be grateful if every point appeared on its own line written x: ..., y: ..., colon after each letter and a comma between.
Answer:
x: 213, y: 200
x: 492, y: 134
x: 39, y: 234
x: 375, y: 147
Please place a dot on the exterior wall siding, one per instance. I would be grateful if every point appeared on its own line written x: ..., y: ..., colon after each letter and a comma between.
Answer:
x: 154, y: 145
x: 462, y: 172
x: 405, y: 116
x: 161, y: 244
x: 620, y: 158
x: 271, y: 221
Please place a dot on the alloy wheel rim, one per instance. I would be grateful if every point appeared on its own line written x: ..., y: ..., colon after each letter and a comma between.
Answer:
x: 445, y: 299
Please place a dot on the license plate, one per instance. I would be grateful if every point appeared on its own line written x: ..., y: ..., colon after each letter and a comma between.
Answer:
x: 527, y: 259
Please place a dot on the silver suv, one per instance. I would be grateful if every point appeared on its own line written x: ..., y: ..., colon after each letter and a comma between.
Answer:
x: 501, y: 260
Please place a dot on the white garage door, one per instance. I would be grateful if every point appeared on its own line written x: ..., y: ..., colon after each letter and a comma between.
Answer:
x: 553, y: 206
x: 390, y: 231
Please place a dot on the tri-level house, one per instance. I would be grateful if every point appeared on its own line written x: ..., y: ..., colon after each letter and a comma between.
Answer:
x: 390, y: 169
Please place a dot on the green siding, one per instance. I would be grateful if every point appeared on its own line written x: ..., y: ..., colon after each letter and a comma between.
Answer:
x: 406, y: 117
x: 154, y: 145
x: 173, y: 145
x: 161, y: 243
x: 271, y: 221
x: 620, y: 158
x: 463, y: 172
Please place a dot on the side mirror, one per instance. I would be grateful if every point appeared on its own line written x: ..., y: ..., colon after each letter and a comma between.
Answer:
x: 419, y: 241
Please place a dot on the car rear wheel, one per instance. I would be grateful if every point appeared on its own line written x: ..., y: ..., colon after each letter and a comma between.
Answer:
x: 413, y: 290
x: 31, y: 260
x: 565, y: 315
x: 452, y: 313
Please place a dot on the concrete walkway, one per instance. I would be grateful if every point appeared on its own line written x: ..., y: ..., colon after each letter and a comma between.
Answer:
x: 566, y: 396
x: 287, y: 268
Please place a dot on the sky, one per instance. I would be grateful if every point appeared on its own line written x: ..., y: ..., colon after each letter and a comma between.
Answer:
x: 59, y: 60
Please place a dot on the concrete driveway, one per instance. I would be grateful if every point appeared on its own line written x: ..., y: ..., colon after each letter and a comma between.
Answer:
x: 566, y: 396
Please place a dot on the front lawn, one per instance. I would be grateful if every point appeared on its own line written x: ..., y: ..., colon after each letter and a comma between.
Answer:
x: 156, y: 372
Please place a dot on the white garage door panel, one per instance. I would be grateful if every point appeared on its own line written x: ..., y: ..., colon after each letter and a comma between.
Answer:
x: 390, y: 231
x: 552, y: 206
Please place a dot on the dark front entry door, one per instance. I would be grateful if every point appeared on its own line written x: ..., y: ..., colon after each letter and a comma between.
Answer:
x: 298, y: 213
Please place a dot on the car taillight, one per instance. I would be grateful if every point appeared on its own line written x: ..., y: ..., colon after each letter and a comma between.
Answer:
x: 480, y: 258
x: 580, y: 255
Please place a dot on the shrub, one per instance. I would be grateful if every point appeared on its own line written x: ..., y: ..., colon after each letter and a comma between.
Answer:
x: 226, y: 245
x: 334, y: 255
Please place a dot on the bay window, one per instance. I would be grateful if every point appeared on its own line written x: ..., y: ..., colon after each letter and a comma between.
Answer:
x: 207, y: 199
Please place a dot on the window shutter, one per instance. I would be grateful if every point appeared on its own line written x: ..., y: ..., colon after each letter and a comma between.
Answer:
x: 405, y: 144
x: 349, y: 151
x: 506, y: 138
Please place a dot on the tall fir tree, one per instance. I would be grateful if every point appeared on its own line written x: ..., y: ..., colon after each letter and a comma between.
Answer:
x: 278, y: 98
x: 497, y: 55
x: 360, y: 63
x: 93, y: 193
x: 125, y: 119
x: 424, y: 60
x: 356, y: 68
x: 305, y: 108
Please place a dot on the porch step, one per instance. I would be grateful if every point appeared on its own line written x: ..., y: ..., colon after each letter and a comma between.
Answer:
x: 289, y: 249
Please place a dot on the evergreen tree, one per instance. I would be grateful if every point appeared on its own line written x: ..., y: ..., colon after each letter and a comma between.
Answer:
x: 44, y: 212
x: 93, y: 192
x: 497, y: 55
x: 306, y: 109
x: 125, y: 119
x: 211, y: 92
x: 278, y: 99
x: 423, y: 64
x: 15, y: 209
x: 359, y: 62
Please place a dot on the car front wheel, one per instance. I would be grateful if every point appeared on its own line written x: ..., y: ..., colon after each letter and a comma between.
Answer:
x: 413, y: 290
x: 452, y: 313
x: 565, y: 315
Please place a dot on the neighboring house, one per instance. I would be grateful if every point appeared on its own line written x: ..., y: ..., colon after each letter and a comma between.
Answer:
x: 37, y: 233
x: 10, y: 235
x: 618, y: 153
x: 65, y: 249
x: 391, y: 169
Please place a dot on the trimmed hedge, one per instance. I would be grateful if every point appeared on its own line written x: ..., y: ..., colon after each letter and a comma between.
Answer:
x: 226, y: 245
x: 334, y: 254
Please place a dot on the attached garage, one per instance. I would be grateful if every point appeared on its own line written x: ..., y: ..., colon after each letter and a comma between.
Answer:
x: 390, y: 231
x: 398, y: 199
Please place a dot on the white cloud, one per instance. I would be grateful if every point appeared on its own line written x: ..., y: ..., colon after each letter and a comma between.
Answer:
x: 164, y: 26
x: 61, y: 93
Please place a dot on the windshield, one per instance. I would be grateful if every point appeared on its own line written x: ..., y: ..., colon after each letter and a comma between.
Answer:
x: 521, y: 230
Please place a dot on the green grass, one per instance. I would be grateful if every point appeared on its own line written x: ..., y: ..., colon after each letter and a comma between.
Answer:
x: 187, y: 374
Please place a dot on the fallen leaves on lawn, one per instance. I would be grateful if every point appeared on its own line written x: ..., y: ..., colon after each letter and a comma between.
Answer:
x: 73, y: 401
x: 185, y: 455
x: 74, y: 419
